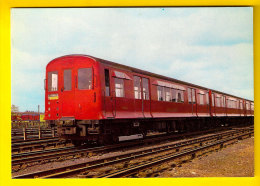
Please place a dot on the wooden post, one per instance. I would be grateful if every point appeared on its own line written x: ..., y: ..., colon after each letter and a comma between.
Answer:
x: 40, y: 133
x: 53, y: 131
x: 24, y: 133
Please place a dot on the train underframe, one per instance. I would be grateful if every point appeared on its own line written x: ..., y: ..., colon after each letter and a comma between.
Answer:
x: 115, y: 130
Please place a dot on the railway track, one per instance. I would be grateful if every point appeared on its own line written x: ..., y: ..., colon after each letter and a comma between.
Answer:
x: 128, y: 164
x: 36, y: 157
x: 38, y: 144
x: 18, y: 139
x: 136, y: 169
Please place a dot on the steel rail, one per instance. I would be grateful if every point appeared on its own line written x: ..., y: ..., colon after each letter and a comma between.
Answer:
x: 134, y: 169
x: 50, y: 154
x: 74, y: 169
x: 39, y: 144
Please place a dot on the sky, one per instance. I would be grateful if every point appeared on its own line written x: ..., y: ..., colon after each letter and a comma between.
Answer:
x: 210, y: 47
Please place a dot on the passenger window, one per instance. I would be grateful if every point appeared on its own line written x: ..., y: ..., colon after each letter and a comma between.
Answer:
x: 182, y: 96
x: 160, y: 93
x: 168, y: 94
x: 207, y: 98
x: 179, y: 97
x: 145, y: 88
x: 119, y: 87
x: 193, y: 96
x: 189, y: 95
x: 52, y: 81
x: 213, y: 103
x: 247, y: 107
x: 201, y: 99
x: 137, y: 87
x: 107, y: 83
x: 223, y: 101
x: 173, y: 95
x: 67, y: 79
x: 217, y: 101
x: 84, y: 78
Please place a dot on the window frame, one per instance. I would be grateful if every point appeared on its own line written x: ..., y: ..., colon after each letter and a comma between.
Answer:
x: 52, y: 72
x: 139, y: 90
x: 168, y: 90
x: 145, y: 93
x: 202, y: 101
x: 160, y: 88
x: 64, y: 88
x: 122, y: 89
x: 107, y: 80
x: 92, y: 79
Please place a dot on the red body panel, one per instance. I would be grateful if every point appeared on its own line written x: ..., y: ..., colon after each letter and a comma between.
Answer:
x: 93, y: 104
x: 79, y: 104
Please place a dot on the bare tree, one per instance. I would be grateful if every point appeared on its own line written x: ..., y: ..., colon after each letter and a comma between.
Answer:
x: 14, y: 108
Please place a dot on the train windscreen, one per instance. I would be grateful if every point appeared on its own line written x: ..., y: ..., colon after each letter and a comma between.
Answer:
x: 52, y: 81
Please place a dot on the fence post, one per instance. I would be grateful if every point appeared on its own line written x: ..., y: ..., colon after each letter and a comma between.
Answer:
x: 53, y: 131
x: 24, y: 133
x: 40, y: 132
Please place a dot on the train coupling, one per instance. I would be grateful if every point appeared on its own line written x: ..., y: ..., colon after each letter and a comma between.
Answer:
x: 66, y: 130
x: 93, y: 130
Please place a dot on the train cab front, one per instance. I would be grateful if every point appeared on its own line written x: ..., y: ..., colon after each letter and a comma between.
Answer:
x: 72, y: 96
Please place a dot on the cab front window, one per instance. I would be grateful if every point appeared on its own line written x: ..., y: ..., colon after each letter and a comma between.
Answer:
x: 52, y: 81
x: 84, y: 78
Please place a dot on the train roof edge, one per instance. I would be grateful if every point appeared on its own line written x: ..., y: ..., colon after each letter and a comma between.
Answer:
x: 136, y: 70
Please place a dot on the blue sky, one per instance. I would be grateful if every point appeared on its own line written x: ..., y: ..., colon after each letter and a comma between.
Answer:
x: 211, y: 47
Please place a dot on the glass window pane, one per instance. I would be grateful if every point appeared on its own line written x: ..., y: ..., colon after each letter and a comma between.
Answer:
x: 193, y: 96
x: 173, y: 95
x: 137, y: 87
x: 168, y: 94
x: 218, y: 101
x: 212, y: 96
x: 67, y: 79
x: 52, y: 81
x: 145, y: 88
x: 201, y: 99
x: 119, y: 87
x: 85, y: 78
x: 179, y: 97
x: 189, y: 95
x: 107, y: 82
x: 161, y: 94
x: 182, y: 96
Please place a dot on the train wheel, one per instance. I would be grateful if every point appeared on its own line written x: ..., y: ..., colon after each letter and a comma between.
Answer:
x: 76, y: 142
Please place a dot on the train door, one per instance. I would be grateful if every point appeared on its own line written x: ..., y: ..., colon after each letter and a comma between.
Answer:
x: 109, y: 100
x: 85, y: 95
x: 138, y: 97
x: 67, y: 93
x: 207, y: 102
x: 146, y: 103
x: 225, y: 105
x: 213, y: 110
x: 53, y: 85
x: 192, y: 101
x: 240, y: 107
x: 142, y: 97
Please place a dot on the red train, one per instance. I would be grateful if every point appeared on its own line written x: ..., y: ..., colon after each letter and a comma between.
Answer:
x: 92, y: 99
x: 25, y: 117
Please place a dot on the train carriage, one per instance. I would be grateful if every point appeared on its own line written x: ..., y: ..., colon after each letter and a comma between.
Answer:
x: 91, y: 99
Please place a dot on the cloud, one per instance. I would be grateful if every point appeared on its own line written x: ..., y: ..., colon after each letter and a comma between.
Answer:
x: 212, y: 47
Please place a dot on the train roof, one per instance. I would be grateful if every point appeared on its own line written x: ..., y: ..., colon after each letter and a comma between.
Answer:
x: 136, y: 70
